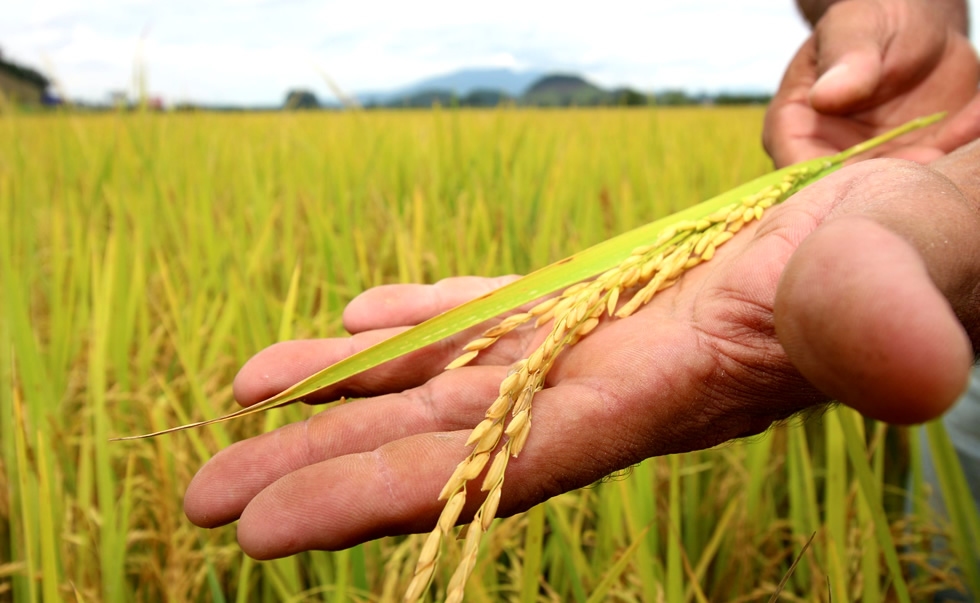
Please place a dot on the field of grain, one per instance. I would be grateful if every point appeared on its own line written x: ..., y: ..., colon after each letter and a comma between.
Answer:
x: 145, y: 257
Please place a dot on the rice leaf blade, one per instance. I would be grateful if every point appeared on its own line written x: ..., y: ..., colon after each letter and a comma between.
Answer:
x: 965, y: 532
x: 547, y: 280
x: 857, y: 452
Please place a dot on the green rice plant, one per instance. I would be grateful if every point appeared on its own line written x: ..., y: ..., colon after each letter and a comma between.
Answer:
x: 965, y: 532
x: 871, y: 499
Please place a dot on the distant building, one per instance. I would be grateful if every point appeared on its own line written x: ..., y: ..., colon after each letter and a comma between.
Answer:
x: 22, y: 85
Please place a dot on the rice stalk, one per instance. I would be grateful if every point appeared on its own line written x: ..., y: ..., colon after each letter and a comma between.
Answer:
x: 576, y: 312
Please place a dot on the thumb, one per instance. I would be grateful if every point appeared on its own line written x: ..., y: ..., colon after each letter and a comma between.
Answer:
x: 861, y: 319
x: 850, y: 43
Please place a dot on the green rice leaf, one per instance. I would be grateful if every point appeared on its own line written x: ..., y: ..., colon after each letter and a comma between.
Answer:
x: 548, y: 280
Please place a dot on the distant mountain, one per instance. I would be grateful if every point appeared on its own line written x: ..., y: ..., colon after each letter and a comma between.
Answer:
x: 563, y: 90
x: 493, y: 87
x: 460, y: 83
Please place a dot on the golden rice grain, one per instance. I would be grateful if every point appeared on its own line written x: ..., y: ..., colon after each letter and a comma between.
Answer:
x: 479, y: 344
x: 489, y: 440
x: 462, y: 360
x: 496, y: 472
x: 430, y: 549
x: 450, y: 513
x: 489, y: 511
x: 475, y: 466
x: 420, y: 582
x: 574, y: 314
x: 500, y: 407
x: 478, y: 432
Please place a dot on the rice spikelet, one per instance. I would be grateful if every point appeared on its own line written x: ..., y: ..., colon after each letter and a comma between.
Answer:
x: 573, y: 314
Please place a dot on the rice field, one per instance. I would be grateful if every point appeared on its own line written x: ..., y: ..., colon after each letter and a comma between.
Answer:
x: 144, y: 257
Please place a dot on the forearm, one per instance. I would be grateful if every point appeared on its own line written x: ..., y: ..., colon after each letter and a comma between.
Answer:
x: 956, y: 11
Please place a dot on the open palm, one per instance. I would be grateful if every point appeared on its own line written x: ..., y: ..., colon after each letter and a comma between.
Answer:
x: 715, y: 357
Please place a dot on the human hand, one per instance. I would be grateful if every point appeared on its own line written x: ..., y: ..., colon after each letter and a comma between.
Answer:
x: 869, y: 66
x: 844, y: 292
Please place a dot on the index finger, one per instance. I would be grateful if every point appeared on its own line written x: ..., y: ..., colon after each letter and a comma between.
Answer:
x: 409, y: 304
x: 283, y: 364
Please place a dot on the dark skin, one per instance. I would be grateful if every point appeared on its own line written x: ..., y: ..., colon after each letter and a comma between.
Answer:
x: 862, y: 288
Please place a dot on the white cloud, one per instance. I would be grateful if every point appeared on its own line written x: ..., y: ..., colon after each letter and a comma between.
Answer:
x: 253, y: 51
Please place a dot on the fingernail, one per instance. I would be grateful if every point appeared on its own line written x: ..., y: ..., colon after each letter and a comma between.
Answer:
x: 833, y: 74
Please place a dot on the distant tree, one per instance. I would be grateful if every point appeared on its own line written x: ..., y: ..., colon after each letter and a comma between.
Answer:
x: 674, y: 97
x: 742, y: 99
x: 300, y: 99
x: 627, y: 97
x: 484, y: 98
x: 22, y: 85
x: 427, y: 99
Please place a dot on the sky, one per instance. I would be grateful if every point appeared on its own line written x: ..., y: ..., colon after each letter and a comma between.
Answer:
x: 251, y: 52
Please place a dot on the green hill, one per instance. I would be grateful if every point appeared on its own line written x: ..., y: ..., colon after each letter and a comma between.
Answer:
x: 562, y: 90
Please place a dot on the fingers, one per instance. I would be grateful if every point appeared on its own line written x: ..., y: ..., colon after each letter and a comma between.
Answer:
x: 373, y: 316
x: 404, y: 305
x: 849, y: 50
x: 960, y: 128
x: 283, y: 364
x: 375, y: 467
x: 224, y: 486
x: 852, y: 79
x: 868, y: 53
x: 341, y: 501
x: 793, y: 130
x: 345, y: 501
